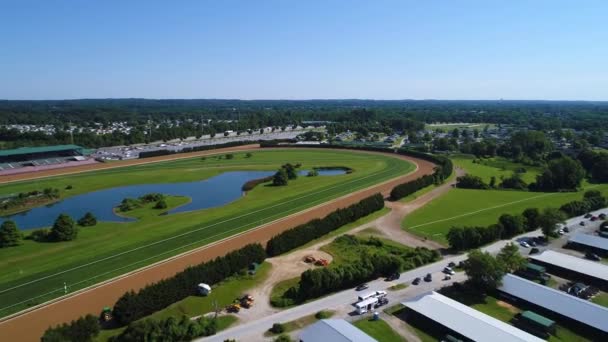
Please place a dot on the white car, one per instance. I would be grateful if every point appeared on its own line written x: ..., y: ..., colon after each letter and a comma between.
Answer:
x: 524, y: 244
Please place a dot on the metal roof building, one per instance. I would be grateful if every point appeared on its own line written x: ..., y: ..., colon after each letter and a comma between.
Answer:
x: 334, y: 330
x: 466, y: 321
x: 40, y: 149
x: 560, y: 302
x: 590, y: 240
x: 572, y: 263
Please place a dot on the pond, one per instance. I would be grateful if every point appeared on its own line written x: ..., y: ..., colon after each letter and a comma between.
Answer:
x: 212, y: 192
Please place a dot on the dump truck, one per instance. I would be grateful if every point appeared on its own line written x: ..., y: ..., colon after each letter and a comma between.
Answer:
x: 322, y: 262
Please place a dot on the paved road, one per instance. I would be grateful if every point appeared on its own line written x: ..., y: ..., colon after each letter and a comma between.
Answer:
x: 253, y: 331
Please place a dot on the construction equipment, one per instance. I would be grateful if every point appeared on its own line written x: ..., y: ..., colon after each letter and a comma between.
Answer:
x: 309, y: 259
x: 246, y: 301
x: 233, y: 308
x: 322, y: 262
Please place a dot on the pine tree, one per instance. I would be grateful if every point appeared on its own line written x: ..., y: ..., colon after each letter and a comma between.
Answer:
x: 9, y: 234
x: 64, y: 229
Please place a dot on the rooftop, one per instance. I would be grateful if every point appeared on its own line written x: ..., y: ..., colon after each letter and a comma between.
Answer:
x: 557, y: 301
x: 580, y: 265
x: 466, y: 321
x: 40, y: 149
x: 590, y: 240
x: 334, y: 330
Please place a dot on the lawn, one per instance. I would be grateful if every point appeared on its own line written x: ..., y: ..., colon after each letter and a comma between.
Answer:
x: 464, y: 207
x: 601, y: 299
x: 35, y: 272
x: 497, y: 167
x: 379, y: 330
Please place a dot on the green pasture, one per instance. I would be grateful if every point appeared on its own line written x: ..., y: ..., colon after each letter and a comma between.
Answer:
x: 36, y: 272
x: 464, y: 207
x: 497, y: 167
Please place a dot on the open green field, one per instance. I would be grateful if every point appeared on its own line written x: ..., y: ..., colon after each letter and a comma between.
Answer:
x: 497, y: 167
x: 464, y: 207
x: 467, y: 207
x: 35, y: 272
x: 379, y: 330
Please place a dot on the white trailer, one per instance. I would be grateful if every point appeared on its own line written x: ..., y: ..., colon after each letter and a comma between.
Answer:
x: 366, y: 305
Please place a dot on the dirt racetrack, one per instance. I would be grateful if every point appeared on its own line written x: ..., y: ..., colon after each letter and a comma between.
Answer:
x: 30, y: 325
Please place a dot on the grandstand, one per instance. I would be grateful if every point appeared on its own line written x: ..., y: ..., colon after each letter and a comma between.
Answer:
x: 26, y: 159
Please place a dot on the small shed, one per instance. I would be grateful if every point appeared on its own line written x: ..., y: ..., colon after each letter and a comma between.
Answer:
x: 537, y: 322
x: 204, y: 289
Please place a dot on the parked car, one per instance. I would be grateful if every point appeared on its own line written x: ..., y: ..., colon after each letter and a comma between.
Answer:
x: 592, y: 256
x: 532, y: 243
x: 362, y: 287
x: 524, y: 244
x: 381, y: 301
x: 428, y: 277
x: 534, y: 250
x: 588, y: 215
x: 449, y: 270
x: 582, y: 223
x: 416, y: 281
x: 393, y: 276
x: 452, y: 264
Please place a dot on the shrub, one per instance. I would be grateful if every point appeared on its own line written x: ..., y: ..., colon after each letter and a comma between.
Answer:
x: 169, y: 329
x: 323, y: 315
x: 39, y: 235
x: 277, y: 328
x: 162, y: 204
x: 9, y: 234
x: 471, y: 182
x: 83, y: 329
x: 87, y: 220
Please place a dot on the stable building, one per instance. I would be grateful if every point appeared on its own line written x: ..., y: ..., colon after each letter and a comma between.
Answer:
x: 545, y: 300
x: 465, y: 321
x: 586, y: 242
x: 574, y: 268
x: 334, y: 330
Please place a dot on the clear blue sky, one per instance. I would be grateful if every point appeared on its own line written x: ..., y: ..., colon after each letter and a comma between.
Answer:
x: 549, y: 49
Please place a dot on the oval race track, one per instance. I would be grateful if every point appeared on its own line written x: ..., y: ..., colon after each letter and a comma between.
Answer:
x: 31, y: 324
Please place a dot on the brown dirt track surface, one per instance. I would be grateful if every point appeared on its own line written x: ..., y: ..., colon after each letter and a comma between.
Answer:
x: 30, y: 325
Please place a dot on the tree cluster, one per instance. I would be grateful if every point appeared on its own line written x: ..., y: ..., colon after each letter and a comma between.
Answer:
x: 321, y: 281
x: 442, y: 171
x: 9, y: 234
x: 135, y: 305
x: 485, y: 271
x: 129, y: 204
x: 562, y: 173
x: 316, y: 228
x: 169, y: 329
x: 84, y: 329
x: 596, y: 165
x: 471, y: 182
x: 592, y: 200
x: 286, y: 173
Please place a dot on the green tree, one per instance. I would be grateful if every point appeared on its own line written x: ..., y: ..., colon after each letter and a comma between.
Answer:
x: 83, y: 329
x: 87, y: 220
x: 511, y: 224
x: 248, y: 155
x: 531, y: 216
x: 280, y: 178
x: 485, y: 272
x: 292, y: 173
x: 510, y: 258
x: 63, y: 229
x: 161, y: 204
x: 562, y: 173
x: 9, y: 234
x: 548, y: 221
x: 283, y: 338
x: 493, y: 182
x: 230, y: 156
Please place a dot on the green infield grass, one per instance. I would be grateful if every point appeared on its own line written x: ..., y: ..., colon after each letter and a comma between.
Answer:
x: 35, y: 272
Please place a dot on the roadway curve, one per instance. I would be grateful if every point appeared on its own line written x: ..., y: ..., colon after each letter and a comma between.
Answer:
x: 30, y: 325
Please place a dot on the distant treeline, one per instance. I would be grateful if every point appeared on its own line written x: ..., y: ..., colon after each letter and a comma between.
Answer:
x: 300, y: 235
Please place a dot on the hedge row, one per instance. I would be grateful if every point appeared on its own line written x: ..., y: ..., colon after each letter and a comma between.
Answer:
x: 135, y: 305
x: 169, y: 329
x: 316, y: 228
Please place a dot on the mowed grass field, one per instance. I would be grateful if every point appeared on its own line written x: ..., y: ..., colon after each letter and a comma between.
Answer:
x: 497, y: 167
x: 465, y: 207
x: 36, y: 272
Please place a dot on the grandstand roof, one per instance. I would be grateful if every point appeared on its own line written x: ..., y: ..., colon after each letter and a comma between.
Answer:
x: 569, y: 262
x: 590, y: 240
x: 40, y: 149
x: 466, y: 321
x: 565, y: 304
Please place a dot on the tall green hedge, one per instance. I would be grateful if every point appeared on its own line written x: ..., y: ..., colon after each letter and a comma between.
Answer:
x: 316, y: 228
x: 135, y: 305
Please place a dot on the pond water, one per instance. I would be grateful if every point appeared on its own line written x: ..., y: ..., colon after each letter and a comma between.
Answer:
x: 212, y: 192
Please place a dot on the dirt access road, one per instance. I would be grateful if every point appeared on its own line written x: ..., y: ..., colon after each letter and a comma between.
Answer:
x: 30, y: 325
